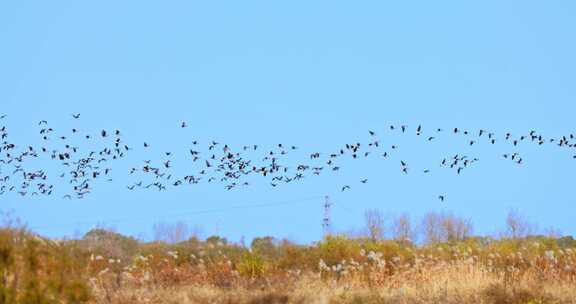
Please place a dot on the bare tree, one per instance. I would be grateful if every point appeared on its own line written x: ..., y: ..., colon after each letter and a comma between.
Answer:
x: 445, y: 227
x: 517, y: 226
x: 431, y: 228
x: 455, y: 228
x: 402, y: 228
x: 171, y: 233
x: 9, y: 220
x: 553, y: 232
x: 374, y: 224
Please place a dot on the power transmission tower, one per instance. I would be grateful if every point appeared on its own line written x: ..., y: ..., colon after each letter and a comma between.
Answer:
x: 326, y: 222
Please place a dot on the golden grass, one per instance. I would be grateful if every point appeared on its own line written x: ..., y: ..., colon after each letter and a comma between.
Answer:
x: 448, y: 286
x: 110, y: 268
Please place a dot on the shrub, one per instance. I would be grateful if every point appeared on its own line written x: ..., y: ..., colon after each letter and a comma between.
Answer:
x: 252, y: 266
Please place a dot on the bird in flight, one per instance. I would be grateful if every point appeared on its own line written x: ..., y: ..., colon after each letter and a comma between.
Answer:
x: 232, y: 166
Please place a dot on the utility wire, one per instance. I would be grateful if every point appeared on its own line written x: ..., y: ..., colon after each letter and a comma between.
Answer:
x: 197, y: 212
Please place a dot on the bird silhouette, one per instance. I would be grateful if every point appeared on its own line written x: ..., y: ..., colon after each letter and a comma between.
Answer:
x: 227, y: 166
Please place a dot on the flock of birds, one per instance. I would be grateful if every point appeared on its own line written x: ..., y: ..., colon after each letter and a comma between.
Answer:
x: 215, y: 162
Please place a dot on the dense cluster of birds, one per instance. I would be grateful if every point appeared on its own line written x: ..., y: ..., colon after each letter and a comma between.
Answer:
x: 216, y: 162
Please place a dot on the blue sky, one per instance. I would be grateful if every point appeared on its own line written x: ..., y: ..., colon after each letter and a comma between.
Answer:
x: 316, y: 74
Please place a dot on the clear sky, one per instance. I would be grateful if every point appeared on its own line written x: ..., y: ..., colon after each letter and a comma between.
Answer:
x: 316, y: 74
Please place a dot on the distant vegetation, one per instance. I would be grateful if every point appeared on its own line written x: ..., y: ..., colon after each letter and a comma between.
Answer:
x: 448, y: 265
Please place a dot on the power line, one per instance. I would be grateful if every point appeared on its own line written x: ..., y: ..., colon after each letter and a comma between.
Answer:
x: 197, y: 212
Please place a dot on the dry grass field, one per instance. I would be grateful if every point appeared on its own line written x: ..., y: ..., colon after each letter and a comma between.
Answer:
x: 106, y: 267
